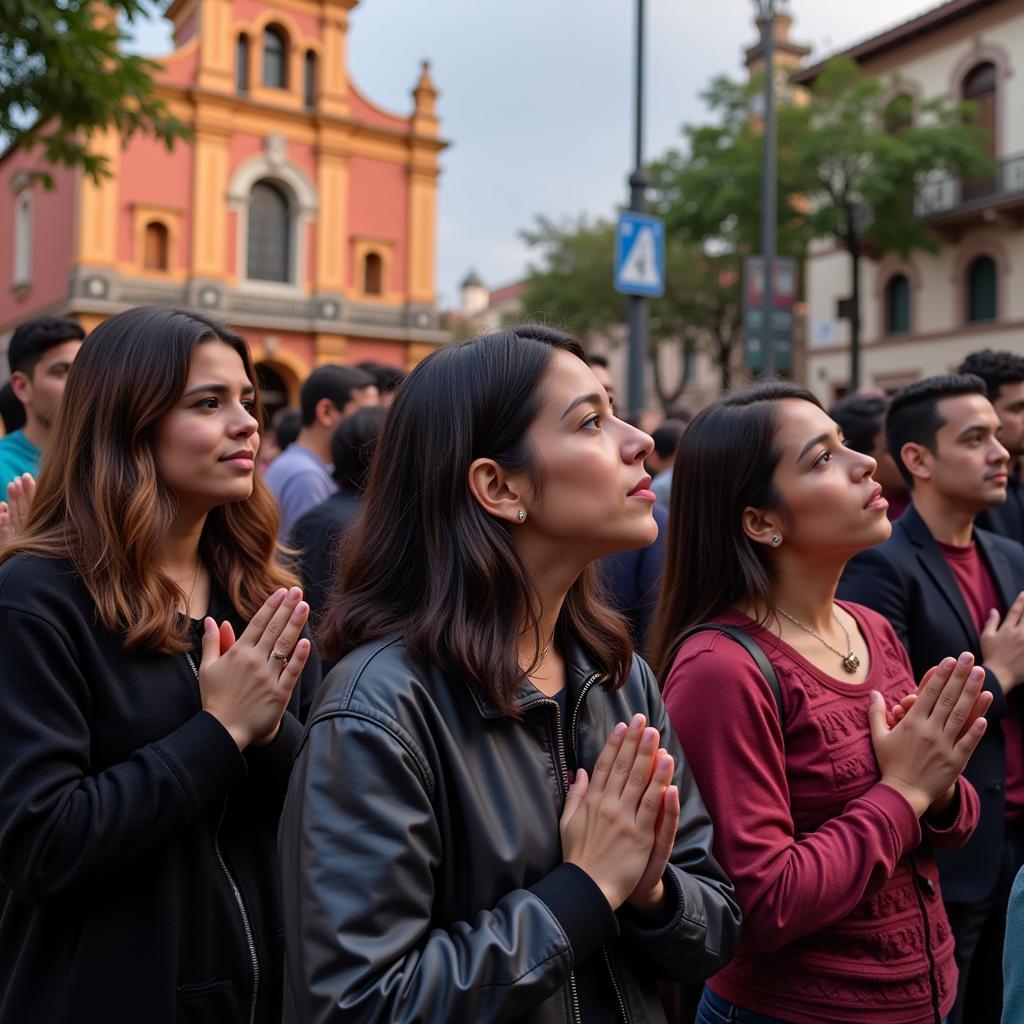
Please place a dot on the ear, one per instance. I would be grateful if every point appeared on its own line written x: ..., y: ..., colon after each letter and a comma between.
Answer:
x: 21, y: 385
x: 498, y: 492
x: 759, y: 525
x: 326, y: 413
x: 918, y: 460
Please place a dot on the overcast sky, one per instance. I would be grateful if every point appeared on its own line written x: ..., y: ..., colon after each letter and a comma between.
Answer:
x: 536, y: 98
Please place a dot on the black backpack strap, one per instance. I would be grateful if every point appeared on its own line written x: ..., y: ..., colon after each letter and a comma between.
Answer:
x: 747, y: 642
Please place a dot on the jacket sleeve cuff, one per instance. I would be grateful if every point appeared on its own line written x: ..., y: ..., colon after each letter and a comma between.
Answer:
x: 904, y: 825
x: 669, y: 915
x: 204, y: 759
x: 580, y: 907
x: 276, y: 757
x: 999, y: 707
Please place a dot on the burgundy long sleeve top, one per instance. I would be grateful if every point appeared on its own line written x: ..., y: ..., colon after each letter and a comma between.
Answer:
x: 842, y: 915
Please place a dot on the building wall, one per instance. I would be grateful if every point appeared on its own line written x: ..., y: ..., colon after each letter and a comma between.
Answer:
x: 939, y: 337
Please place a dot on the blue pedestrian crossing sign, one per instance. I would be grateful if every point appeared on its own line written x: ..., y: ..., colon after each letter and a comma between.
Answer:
x: 640, y: 255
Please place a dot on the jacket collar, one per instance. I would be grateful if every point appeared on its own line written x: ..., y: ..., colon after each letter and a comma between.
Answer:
x: 578, y: 668
x: 930, y: 556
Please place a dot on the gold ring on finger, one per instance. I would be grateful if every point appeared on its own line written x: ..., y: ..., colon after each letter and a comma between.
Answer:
x: 283, y: 658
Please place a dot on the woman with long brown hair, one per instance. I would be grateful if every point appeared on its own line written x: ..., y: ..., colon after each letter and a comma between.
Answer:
x: 826, y: 805
x: 437, y: 863
x: 152, y: 644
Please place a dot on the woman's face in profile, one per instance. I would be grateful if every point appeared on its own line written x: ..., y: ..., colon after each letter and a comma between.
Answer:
x: 593, y: 497
x: 206, y: 444
x: 833, y: 500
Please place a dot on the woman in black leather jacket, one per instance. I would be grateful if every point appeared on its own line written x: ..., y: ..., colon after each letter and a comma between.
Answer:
x: 490, y: 818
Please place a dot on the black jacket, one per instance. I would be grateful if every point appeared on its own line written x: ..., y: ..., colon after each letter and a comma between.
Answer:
x: 908, y: 580
x: 422, y: 866
x: 128, y: 820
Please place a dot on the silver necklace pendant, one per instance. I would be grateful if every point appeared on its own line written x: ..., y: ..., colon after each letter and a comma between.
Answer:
x: 851, y: 662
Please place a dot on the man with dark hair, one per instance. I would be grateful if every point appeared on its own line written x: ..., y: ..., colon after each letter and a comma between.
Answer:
x: 599, y: 364
x: 317, y: 533
x: 862, y: 421
x: 40, y: 354
x: 666, y: 437
x: 1003, y: 374
x: 387, y: 377
x: 300, y: 476
x: 948, y: 587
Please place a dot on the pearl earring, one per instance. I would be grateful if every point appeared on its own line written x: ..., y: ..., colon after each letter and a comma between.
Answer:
x: 776, y: 539
x: 522, y: 516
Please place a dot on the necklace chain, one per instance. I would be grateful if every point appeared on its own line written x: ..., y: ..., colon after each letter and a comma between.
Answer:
x: 850, y: 660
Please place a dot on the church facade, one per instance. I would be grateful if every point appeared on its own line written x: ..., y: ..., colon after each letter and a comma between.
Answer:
x: 299, y: 211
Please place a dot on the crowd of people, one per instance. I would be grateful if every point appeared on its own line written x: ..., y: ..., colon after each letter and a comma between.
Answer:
x: 456, y: 697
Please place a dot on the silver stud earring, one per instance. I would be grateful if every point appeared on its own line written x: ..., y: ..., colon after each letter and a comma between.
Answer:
x: 522, y: 515
x: 776, y: 539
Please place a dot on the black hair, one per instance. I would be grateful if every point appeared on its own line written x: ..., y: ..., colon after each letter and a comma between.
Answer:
x: 666, y: 437
x: 725, y: 463
x: 914, y: 418
x: 679, y: 412
x: 387, y: 377
x: 352, y: 446
x: 12, y: 412
x: 861, y: 419
x: 34, y: 337
x: 995, y: 369
x: 333, y: 382
x: 285, y: 426
x: 425, y: 560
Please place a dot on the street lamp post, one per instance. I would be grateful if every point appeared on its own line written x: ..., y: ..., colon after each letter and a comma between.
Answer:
x: 766, y: 17
x: 638, y: 327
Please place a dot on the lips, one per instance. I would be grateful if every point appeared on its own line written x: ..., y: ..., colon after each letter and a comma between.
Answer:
x: 643, y: 485
x: 242, y: 455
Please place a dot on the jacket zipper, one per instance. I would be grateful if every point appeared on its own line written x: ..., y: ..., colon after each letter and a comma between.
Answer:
x: 253, y: 958
x: 574, y: 722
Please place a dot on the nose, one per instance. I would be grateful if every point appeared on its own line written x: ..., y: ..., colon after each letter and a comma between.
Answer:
x: 863, y: 465
x: 999, y: 452
x: 636, y: 445
x: 245, y: 424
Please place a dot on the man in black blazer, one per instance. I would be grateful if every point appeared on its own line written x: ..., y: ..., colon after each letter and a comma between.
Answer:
x: 1003, y: 374
x: 947, y: 587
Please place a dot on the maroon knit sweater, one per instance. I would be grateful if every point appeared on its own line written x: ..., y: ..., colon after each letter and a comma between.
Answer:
x: 842, y: 915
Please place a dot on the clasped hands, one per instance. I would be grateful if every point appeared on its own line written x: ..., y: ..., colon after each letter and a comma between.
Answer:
x: 619, y: 825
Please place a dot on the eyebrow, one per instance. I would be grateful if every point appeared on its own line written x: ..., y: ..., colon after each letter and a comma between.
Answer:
x: 593, y: 398
x: 810, y: 444
x: 218, y: 389
x: 974, y: 427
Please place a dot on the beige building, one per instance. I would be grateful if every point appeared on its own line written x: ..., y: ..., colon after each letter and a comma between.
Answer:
x: 922, y: 315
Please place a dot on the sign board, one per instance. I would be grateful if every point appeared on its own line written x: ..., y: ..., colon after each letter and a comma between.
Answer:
x: 640, y: 255
x: 782, y: 315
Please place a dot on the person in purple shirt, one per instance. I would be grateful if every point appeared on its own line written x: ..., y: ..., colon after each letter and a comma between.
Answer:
x: 300, y: 477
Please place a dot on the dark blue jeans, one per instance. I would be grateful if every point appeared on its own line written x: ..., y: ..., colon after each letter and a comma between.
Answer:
x: 714, y: 1009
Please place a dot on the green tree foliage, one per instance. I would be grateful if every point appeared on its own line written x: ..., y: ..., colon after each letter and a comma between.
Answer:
x: 63, y: 77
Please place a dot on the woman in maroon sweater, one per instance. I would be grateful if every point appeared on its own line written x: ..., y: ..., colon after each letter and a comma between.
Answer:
x: 826, y: 816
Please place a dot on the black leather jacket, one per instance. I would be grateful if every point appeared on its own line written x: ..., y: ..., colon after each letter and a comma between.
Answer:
x: 422, y: 866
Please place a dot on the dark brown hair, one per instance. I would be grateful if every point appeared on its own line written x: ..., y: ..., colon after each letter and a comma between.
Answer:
x: 425, y: 560
x: 725, y: 463
x: 100, y: 502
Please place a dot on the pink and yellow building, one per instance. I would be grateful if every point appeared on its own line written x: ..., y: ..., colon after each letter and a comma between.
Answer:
x: 300, y: 212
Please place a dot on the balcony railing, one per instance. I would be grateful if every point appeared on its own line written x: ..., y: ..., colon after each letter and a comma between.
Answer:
x: 946, y: 194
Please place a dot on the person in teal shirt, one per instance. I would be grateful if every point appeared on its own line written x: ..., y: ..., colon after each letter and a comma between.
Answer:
x: 40, y: 354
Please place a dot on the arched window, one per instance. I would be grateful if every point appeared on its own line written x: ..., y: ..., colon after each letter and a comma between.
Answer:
x: 242, y: 63
x: 373, y: 274
x: 157, y: 246
x: 275, y: 57
x: 980, y: 89
x: 897, y: 304
x: 899, y: 114
x: 310, y: 80
x: 269, y: 243
x: 982, y: 290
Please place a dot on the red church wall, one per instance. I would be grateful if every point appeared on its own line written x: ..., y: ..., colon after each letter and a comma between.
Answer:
x: 53, y: 240
x: 152, y: 176
x: 365, y: 111
x: 361, y: 350
x: 378, y: 208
